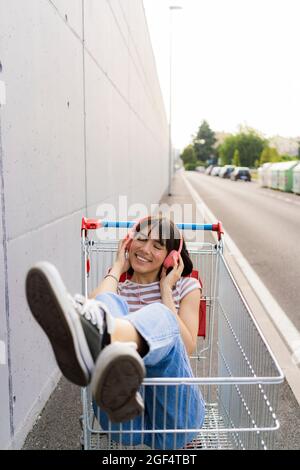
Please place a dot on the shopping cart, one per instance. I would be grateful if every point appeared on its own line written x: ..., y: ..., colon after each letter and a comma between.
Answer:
x: 233, y: 366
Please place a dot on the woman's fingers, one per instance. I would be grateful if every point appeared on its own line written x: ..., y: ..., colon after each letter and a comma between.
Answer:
x: 126, y: 241
x: 123, y: 243
x: 163, y: 273
x: 178, y: 262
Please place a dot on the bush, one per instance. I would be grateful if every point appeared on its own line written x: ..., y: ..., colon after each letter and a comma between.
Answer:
x: 190, y: 166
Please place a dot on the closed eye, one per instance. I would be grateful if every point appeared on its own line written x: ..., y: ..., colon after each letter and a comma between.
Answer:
x: 159, y: 247
x: 141, y: 238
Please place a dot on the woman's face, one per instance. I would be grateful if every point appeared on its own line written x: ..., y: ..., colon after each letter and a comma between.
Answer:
x: 146, y: 254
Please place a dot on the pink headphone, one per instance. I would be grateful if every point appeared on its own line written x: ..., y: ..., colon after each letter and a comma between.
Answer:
x: 171, y: 259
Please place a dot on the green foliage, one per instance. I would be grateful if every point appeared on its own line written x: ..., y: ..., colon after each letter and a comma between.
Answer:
x: 190, y: 166
x: 236, y: 158
x: 249, y: 145
x: 188, y: 157
x: 269, y: 154
x: 226, y: 150
x: 287, y: 158
x: 204, y: 143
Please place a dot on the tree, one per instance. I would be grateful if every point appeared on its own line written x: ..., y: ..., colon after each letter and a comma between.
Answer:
x: 188, y: 157
x: 226, y: 150
x: 204, y: 143
x: 250, y: 146
x: 269, y: 154
x: 287, y: 158
x: 236, y: 158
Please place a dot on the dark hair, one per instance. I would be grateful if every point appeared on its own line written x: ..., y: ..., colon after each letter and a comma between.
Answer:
x: 169, y: 236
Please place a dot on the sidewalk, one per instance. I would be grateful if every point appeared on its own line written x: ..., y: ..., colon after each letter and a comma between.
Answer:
x: 59, y: 428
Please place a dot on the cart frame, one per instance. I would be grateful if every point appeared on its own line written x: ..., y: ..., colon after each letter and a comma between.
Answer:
x: 233, y: 365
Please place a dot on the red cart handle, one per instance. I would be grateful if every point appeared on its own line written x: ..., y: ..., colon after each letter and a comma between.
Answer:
x: 218, y: 228
x: 90, y: 224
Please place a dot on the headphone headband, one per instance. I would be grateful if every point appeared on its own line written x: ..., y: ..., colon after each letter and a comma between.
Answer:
x: 180, y: 244
x: 133, y: 230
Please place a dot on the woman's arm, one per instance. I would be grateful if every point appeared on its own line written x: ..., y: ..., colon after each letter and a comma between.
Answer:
x: 187, y: 316
x: 109, y: 284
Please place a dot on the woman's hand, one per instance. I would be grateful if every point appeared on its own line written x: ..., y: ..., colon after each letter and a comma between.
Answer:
x: 168, y: 281
x: 122, y: 258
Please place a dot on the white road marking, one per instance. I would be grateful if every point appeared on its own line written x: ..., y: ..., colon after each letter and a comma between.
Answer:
x: 280, y: 319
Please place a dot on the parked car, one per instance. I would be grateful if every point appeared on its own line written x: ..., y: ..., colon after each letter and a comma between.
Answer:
x: 215, y: 171
x: 226, y: 171
x: 209, y: 169
x: 201, y: 169
x: 241, y: 173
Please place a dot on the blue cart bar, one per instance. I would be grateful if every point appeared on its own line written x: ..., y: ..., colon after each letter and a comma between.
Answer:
x: 93, y: 224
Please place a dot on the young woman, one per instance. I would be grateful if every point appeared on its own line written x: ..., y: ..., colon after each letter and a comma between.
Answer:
x: 146, y: 325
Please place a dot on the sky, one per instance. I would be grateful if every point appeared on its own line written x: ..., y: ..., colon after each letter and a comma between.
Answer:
x: 234, y: 62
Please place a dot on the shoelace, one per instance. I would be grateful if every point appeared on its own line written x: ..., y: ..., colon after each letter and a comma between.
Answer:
x: 89, y: 309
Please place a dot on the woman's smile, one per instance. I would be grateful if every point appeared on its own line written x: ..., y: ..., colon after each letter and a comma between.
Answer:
x: 142, y: 259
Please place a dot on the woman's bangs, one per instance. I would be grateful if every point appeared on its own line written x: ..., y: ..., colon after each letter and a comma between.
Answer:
x: 156, y: 228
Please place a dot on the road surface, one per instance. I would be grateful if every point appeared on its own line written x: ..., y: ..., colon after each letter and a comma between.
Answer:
x: 265, y: 225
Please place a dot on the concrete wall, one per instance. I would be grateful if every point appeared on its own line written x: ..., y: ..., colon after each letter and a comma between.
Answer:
x: 83, y: 123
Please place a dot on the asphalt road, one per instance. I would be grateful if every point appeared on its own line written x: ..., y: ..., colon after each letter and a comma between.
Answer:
x: 265, y: 225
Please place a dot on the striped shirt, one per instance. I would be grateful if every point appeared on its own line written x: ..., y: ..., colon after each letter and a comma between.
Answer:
x: 139, y: 295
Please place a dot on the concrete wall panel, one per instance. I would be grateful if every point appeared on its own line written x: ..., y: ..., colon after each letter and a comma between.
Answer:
x: 33, y: 366
x: 70, y: 12
x: 45, y: 111
x: 107, y: 44
x: 84, y: 124
x: 5, y: 431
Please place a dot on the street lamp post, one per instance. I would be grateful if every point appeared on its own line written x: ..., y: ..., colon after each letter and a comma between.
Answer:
x: 171, y: 8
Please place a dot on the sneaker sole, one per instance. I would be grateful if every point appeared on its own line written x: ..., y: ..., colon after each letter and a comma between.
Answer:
x: 118, y: 374
x: 46, y: 304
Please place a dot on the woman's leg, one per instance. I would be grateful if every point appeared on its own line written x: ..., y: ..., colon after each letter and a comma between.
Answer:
x: 124, y: 331
x: 167, y: 406
x: 153, y: 328
x: 79, y: 331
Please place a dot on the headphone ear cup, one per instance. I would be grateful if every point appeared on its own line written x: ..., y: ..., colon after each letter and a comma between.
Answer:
x: 169, y: 261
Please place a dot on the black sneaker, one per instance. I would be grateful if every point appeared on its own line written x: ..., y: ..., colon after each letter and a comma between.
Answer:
x: 118, y: 374
x: 119, y: 369
x: 79, y: 332
x: 55, y: 311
